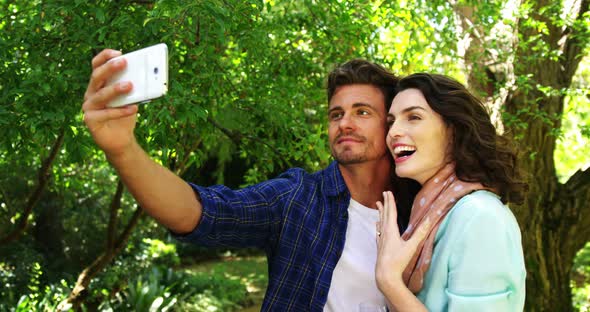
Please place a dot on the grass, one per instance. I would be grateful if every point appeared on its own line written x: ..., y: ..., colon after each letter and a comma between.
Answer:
x: 251, y: 271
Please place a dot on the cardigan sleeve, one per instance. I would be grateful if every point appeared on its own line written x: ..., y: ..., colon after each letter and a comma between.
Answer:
x: 486, y: 266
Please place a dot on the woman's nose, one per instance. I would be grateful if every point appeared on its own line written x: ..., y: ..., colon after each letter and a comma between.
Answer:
x: 395, y: 130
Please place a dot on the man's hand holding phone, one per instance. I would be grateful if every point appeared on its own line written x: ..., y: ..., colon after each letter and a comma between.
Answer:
x: 111, y: 128
x: 159, y: 192
x: 120, y: 81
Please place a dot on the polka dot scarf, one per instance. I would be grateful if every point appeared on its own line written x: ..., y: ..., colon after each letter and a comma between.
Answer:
x: 436, y: 198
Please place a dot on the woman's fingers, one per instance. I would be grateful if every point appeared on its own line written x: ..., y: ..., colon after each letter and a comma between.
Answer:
x: 389, y: 216
x: 391, y: 206
x: 420, y: 234
x: 379, y: 226
x: 378, y: 236
x: 380, y: 209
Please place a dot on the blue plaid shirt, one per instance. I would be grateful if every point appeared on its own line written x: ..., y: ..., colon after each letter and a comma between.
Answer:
x: 299, y: 219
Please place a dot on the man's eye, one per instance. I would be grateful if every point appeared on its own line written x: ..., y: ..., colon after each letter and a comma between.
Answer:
x: 363, y: 112
x: 335, y: 116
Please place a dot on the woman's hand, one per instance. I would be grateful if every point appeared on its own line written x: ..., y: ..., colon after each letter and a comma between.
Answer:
x: 393, y: 252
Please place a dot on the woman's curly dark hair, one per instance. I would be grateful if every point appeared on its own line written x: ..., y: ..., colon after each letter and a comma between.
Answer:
x: 479, y: 153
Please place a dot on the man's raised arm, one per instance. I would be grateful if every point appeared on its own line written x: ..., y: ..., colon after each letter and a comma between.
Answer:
x: 161, y: 193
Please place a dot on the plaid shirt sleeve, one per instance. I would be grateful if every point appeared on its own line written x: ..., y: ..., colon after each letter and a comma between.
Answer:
x: 249, y: 217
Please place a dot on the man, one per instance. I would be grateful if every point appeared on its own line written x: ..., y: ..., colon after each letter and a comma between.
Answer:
x: 320, y: 243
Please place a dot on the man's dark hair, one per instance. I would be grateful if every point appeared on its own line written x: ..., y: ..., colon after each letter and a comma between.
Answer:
x: 479, y: 153
x: 359, y: 71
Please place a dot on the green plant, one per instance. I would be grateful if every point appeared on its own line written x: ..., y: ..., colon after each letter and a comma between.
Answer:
x: 581, y: 298
x: 44, y: 301
x: 580, y: 280
x: 213, y: 291
x: 21, y: 272
x: 160, y: 253
x: 151, y: 292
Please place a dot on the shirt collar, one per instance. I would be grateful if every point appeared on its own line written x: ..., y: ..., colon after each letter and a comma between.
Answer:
x: 334, y: 184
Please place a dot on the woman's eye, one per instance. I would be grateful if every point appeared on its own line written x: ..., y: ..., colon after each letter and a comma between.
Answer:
x: 414, y: 117
x: 390, y: 122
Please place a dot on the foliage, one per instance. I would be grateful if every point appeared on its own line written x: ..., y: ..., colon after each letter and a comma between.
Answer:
x: 153, y: 292
x: 581, y: 280
x: 229, y: 284
x: 46, y: 300
x: 246, y: 101
x: 574, y: 139
x: 21, y: 271
x: 213, y: 286
x: 211, y: 289
x: 160, y: 253
x: 581, y: 298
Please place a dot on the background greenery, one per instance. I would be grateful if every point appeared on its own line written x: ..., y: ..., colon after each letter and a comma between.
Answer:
x: 246, y: 101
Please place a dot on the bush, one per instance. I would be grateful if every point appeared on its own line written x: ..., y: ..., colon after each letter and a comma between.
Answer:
x: 160, y: 253
x: 164, y: 289
x: 580, y: 298
x: 214, y: 291
x: 44, y: 301
x: 151, y: 292
x: 20, y: 272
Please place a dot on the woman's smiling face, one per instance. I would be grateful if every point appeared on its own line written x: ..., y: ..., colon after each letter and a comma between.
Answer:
x: 418, y: 137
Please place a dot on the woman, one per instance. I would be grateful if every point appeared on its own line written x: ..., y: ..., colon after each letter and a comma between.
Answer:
x: 462, y: 249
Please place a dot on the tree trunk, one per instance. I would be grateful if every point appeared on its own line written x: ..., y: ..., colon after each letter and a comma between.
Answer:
x: 555, y: 217
x: 48, y: 230
x: 79, y: 292
x: 42, y: 180
x: 114, y: 245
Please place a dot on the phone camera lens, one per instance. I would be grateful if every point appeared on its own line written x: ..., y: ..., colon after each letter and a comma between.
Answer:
x: 155, y: 70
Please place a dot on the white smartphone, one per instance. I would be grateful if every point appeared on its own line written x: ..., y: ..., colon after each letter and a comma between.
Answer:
x: 147, y: 69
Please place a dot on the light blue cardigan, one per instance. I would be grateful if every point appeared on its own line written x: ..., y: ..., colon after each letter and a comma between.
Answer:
x: 477, y: 263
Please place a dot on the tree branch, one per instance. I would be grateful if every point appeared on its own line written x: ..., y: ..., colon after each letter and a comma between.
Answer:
x: 122, y: 239
x: 236, y: 137
x: 7, y: 200
x: 42, y: 179
x: 577, y: 203
x: 579, y: 181
x: 181, y: 167
x: 575, y: 42
x: 79, y: 292
x: 113, y: 216
x: 468, y: 24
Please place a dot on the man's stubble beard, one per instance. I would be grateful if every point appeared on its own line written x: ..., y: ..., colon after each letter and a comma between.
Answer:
x: 347, y: 158
x: 350, y: 160
x: 368, y: 153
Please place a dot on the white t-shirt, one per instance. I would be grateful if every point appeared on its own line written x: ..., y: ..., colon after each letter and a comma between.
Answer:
x: 353, y: 280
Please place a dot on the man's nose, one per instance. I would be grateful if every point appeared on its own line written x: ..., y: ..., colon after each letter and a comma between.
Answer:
x: 346, y: 122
